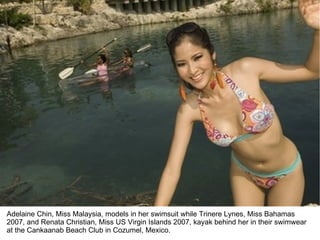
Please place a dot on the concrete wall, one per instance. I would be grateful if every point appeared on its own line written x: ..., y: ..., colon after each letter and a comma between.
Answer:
x: 151, y: 6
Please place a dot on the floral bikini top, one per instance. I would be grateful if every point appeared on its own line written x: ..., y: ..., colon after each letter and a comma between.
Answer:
x: 257, y: 116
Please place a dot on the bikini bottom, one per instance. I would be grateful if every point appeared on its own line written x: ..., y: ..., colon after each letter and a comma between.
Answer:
x: 267, y: 180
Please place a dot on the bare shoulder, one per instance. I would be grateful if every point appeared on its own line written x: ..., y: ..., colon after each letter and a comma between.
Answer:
x: 244, y: 72
x: 247, y: 65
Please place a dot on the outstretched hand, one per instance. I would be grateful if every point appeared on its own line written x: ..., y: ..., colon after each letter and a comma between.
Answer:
x: 310, y: 11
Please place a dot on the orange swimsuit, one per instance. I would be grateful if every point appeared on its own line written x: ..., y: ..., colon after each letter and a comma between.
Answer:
x: 256, y: 117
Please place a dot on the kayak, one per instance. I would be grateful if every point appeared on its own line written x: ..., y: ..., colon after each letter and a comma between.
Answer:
x: 90, y: 77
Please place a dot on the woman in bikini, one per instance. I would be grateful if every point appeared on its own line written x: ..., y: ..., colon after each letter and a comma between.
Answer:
x: 128, y: 61
x: 266, y: 166
x: 125, y: 63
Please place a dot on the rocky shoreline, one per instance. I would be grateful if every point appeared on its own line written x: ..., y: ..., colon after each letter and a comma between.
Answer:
x: 64, y: 22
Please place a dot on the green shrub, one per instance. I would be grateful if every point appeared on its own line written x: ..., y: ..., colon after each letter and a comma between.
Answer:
x: 14, y: 19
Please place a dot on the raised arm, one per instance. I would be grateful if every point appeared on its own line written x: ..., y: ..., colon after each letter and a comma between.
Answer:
x: 310, y: 11
x: 171, y: 173
x: 278, y: 72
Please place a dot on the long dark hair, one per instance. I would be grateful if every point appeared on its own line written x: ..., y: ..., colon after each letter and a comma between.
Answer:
x: 127, y: 52
x: 103, y: 57
x: 195, y: 34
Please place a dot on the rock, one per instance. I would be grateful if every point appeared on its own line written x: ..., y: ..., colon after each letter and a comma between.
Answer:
x: 64, y: 22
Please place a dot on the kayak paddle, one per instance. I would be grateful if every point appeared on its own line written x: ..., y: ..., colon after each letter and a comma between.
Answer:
x: 141, y: 49
x: 68, y: 71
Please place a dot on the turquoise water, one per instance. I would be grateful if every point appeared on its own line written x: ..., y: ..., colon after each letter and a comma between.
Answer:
x: 119, y: 143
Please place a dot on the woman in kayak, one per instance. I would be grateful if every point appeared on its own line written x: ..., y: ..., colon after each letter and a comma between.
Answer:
x: 101, y: 66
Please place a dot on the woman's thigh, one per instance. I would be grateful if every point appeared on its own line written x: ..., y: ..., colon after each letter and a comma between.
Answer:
x: 289, y: 189
x: 245, y: 192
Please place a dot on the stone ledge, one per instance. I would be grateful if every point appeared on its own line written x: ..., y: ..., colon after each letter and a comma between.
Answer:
x: 63, y: 22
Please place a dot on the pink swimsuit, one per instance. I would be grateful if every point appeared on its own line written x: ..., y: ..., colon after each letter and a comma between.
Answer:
x: 256, y: 117
x: 102, y: 72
